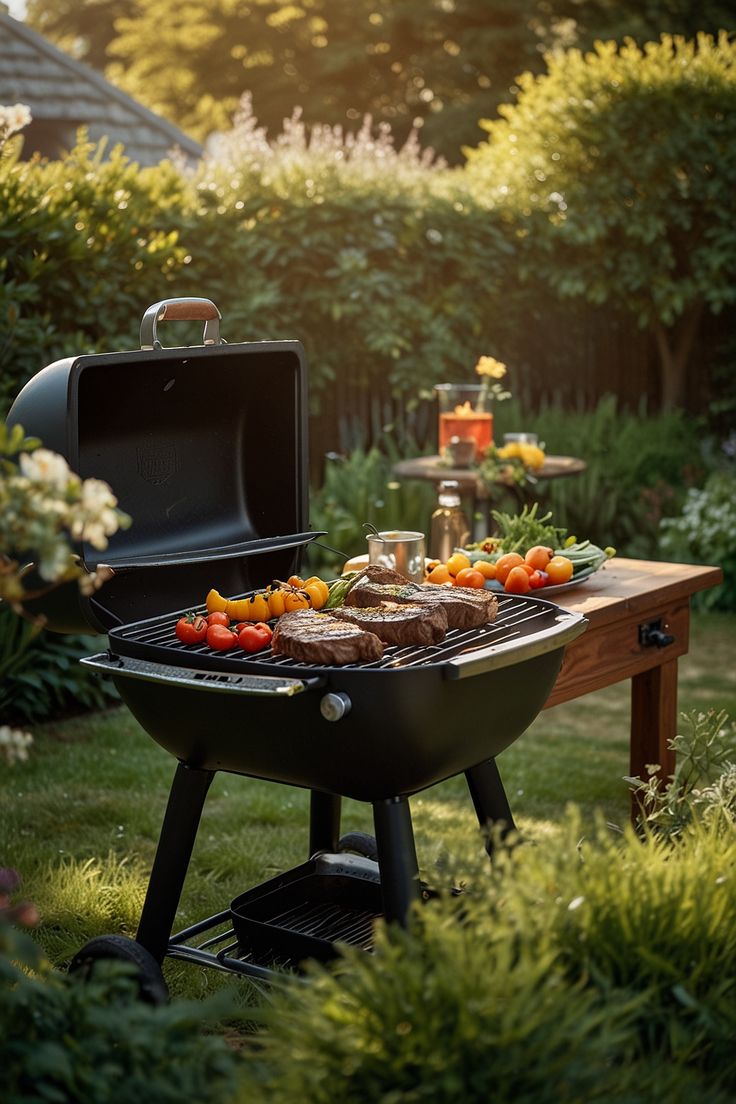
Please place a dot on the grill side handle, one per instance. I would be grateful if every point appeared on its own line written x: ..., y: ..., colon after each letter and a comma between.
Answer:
x: 492, y: 657
x: 191, y: 678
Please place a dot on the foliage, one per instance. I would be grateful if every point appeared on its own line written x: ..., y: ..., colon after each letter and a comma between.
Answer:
x: 705, y: 532
x: 636, y: 468
x: 361, y: 251
x: 441, y: 66
x: 625, y: 947
x: 66, y: 1040
x: 614, y: 165
x: 619, y: 19
x: 360, y: 489
x: 704, y: 782
x: 41, y: 673
x: 43, y: 508
x: 85, y: 246
x: 437, y: 65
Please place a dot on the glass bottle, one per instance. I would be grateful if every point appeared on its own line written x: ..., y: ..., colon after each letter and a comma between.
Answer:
x: 449, y: 529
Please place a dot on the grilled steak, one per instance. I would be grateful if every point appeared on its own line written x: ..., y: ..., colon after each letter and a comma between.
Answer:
x: 399, y: 623
x: 313, y: 637
x: 465, y: 608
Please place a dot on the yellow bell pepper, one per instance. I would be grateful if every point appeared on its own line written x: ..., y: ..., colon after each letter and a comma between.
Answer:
x: 215, y: 603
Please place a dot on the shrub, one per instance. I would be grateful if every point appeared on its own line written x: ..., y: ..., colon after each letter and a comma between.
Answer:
x: 67, y: 1040
x: 601, y: 971
x: 705, y: 532
x: 42, y: 674
x: 637, y: 466
x: 359, y: 489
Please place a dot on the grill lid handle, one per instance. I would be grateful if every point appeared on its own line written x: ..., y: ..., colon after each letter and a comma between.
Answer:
x: 181, y: 310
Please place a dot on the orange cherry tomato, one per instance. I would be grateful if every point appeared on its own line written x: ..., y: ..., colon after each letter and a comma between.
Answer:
x: 538, y: 557
x: 469, y: 577
x: 506, y: 563
x: 317, y: 591
x: 559, y: 570
x: 486, y: 568
x: 294, y: 600
x: 456, y: 562
x: 517, y: 581
x: 218, y: 618
x: 439, y: 574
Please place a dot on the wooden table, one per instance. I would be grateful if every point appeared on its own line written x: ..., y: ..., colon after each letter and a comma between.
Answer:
x: 434, y: 469
x: 624, y: 601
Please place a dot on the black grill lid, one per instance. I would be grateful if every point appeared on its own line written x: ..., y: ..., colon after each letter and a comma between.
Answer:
x: 205, y: 447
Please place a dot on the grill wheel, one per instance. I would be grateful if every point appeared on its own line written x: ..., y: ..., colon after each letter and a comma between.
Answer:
x: 359, y: 843
x: 152, y: 988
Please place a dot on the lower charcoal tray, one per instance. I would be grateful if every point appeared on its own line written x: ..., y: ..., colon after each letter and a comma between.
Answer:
x: 304, y: 912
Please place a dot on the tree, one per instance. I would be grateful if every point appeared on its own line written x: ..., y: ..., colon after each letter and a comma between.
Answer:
x: 643, y: 20
x: 617, y: 167
x: 436, y: 64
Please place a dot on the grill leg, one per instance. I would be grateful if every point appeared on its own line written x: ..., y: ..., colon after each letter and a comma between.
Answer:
x: 324, y: 822
x: 490, y: 801
x: 397, y: 858
x: 174, y: 850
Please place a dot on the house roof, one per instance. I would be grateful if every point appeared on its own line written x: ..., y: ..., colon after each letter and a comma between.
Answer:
x: 60, y: 90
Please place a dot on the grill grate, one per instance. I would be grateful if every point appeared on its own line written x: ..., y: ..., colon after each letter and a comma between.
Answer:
x: 517, y: 618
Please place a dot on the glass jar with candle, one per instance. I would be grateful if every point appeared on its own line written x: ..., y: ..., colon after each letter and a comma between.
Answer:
x: 462, y: 414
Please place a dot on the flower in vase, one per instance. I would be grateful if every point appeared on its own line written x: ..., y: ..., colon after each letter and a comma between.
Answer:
x: 488, y: 368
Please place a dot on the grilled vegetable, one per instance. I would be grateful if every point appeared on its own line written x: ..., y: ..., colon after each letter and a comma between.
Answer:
x: 191, y: 629
x: 339, y: 589
x: 221, y: 638
x: 254, y: 638
x: 317, y: 591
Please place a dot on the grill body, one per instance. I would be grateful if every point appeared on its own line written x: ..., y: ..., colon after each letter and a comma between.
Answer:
x: 416, y: 717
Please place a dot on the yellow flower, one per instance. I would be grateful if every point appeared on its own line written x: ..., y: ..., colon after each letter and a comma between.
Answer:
x: 489, y: 366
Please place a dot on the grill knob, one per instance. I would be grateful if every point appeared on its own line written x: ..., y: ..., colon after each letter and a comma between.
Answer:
x: 334, y: 707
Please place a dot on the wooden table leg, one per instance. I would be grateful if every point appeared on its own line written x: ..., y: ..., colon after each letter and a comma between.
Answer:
x: 653, y: 719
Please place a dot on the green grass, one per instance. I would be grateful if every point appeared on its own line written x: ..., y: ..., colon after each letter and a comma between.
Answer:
x: 80, y: 819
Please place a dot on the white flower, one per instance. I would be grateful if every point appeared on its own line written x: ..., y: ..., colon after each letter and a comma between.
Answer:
x: 14, y: 744
x: 97, y: 496
x: 54, y: 562
x: 44, y: 466
x: 16, y: 117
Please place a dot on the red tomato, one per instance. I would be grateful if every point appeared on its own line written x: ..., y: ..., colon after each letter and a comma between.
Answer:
x: 254, y: 638
x: 517, y: 581
x: 221, y: 638
x: 469, y: 577
x: 191, y: 629
x: 218, y: 618
x: 538, y: 579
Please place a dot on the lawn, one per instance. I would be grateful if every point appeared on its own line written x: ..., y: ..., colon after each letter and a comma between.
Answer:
x: 80, y: 819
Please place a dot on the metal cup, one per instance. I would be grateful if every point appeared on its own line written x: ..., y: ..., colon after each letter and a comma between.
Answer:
x: 400, y: 551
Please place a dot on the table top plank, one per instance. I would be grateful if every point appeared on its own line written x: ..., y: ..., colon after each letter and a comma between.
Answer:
x: 629, y: 587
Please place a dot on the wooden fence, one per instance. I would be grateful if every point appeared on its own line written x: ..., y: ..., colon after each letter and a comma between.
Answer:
x: 570, y: 356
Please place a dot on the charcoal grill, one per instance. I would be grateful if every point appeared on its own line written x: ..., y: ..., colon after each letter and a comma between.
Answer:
x: 208, y: 511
